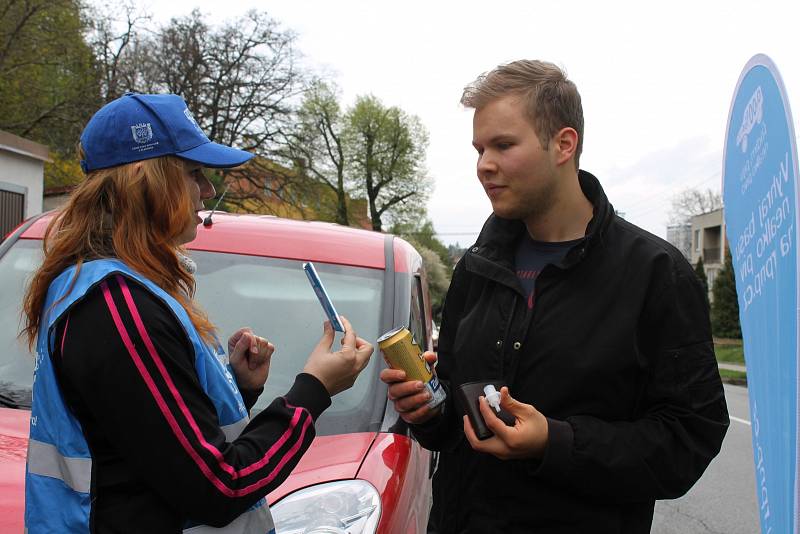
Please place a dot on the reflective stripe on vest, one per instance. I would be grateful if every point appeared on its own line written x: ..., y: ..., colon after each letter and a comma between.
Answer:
x: 59, y: 467
x: 45, y: 460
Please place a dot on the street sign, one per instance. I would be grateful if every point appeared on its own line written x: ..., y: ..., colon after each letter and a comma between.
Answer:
x: 761, y: 217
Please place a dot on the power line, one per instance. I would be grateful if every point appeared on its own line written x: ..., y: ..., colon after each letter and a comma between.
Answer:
x: 441, y: 233
x: 643, y: 204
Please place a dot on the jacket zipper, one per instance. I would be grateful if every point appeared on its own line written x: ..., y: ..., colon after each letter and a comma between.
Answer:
x: 504, y: 345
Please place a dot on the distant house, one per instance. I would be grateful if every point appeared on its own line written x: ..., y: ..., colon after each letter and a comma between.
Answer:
x: 680, y: 235
x: 55, y: 197
x: 709, y: 241
x: 21, y: 179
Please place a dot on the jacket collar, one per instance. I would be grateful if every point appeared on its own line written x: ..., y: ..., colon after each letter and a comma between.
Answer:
x: 492, y: 255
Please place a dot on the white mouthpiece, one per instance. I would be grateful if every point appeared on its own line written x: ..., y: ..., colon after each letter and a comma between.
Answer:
x: 492, y: 397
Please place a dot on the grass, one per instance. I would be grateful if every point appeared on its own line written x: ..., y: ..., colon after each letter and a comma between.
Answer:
x: 729, y: 353
x: 733, y: 377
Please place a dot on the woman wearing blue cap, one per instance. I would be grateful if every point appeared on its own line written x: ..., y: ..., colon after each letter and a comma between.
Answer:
x: 137, y: 425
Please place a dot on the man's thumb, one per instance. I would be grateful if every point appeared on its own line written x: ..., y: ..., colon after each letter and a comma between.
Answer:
x: 508, y: 403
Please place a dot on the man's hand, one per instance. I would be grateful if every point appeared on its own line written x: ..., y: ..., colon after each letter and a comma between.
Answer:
x: 410, y: 397
x: 526, y: 439
x: 250, y: 356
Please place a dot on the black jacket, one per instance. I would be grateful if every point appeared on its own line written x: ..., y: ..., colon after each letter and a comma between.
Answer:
x: 617, y: 353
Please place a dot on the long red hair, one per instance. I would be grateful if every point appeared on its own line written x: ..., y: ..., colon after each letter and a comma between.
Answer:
x: 133, y: 212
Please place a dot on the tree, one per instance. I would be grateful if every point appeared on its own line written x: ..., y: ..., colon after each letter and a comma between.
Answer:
x: 725, y: 306
x: 63, y: 170
x: 264, y: 186
x: 422, y: 232
x: 691, y: 202
x: 317, y: 145
x: 239, y: 79
x: 438, y: 280
x: 48, y: 85
x: 388, y: 151
x: 700, y: 271
x: 114, y: 38
x: 435, y: 258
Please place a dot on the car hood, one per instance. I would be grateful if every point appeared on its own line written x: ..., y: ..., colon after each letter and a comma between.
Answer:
x: 328, y: 458
x: 14, y: 426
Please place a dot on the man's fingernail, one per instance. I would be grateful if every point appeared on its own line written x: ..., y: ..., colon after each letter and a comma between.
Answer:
x: 419, y: 385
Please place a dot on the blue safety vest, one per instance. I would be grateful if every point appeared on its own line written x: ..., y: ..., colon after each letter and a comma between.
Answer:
x: 59, y: 467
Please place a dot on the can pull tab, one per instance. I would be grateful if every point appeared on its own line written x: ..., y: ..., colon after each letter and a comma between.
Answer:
x: 492, y: 397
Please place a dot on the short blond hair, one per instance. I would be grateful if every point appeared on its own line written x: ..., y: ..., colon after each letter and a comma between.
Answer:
x: 553, y: 101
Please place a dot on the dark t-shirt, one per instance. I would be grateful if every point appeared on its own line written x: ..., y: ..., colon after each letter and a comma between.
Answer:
x: 532, y: 256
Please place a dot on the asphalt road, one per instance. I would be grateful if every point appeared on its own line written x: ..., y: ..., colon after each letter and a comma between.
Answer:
x: 724, y: 499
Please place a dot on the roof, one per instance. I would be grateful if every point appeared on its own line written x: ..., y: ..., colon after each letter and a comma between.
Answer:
x: 25, y: 147
x: 59, y: 190
x: 266, y: 235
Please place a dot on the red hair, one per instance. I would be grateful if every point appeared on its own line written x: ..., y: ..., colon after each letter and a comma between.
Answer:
x: 133, y: 212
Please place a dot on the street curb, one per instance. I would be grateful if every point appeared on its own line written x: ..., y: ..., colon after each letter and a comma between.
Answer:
x: 734, y: 381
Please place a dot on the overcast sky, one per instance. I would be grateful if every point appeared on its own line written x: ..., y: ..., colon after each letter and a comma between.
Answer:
x: 656, y: 80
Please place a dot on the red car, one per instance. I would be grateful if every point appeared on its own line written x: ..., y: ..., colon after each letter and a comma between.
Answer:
x: 364, y: 472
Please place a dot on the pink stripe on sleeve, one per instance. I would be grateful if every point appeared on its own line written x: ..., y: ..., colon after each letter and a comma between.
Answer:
x: 64, y: 335
x: 268, y: 456
x: 157, y: 394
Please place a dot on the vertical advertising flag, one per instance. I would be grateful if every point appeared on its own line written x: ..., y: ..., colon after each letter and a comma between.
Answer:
x: 761, y: 218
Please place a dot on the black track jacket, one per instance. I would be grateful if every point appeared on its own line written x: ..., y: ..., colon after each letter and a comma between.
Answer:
x: 617, y: 354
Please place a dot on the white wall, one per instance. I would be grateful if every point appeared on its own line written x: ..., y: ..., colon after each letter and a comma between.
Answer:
x: 24, y: 172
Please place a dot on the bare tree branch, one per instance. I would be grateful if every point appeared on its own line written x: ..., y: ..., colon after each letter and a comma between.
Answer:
x: 691, y: 202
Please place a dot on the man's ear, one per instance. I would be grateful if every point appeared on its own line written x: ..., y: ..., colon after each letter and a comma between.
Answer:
x: 565, y: 143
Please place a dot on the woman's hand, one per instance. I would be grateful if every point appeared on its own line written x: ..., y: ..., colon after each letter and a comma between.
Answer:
x: 338, y: 370
x: 250, y: 356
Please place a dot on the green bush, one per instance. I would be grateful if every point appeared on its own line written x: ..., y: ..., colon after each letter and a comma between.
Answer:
x: 725, y: 307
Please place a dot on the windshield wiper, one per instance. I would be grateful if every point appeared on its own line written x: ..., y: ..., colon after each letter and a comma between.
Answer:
x: 10, y: 402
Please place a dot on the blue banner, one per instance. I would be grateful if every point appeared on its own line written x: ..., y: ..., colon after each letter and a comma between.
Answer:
x: 760, y: 196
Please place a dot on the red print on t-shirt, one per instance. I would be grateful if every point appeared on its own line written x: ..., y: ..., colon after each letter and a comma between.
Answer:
x: 529, y: 275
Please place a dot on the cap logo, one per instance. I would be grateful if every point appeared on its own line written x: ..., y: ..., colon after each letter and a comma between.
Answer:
x: 142, y: 132
x: 191, y: 119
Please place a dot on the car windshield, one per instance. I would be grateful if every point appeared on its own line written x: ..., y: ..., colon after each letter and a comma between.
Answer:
x: 270, y: 295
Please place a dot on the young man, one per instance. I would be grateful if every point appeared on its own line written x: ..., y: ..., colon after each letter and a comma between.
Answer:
x: 599, y: 329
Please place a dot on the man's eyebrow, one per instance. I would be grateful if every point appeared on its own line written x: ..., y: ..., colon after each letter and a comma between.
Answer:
x: 495, y: 139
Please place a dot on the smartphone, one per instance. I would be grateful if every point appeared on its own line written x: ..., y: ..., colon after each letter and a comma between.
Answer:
x: 323, y: 297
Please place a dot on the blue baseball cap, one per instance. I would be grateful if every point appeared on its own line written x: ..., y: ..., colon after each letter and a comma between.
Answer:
x: 136, y: 126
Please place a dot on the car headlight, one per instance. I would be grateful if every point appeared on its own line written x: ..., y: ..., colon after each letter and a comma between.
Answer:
x: 343, y: 507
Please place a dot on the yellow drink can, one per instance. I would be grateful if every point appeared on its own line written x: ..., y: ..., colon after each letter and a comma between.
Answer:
x: 402, y: 352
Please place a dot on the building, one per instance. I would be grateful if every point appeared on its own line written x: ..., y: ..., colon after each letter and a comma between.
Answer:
x: 709, y: 242
x: 680, y: 235
x: 21, y: 179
